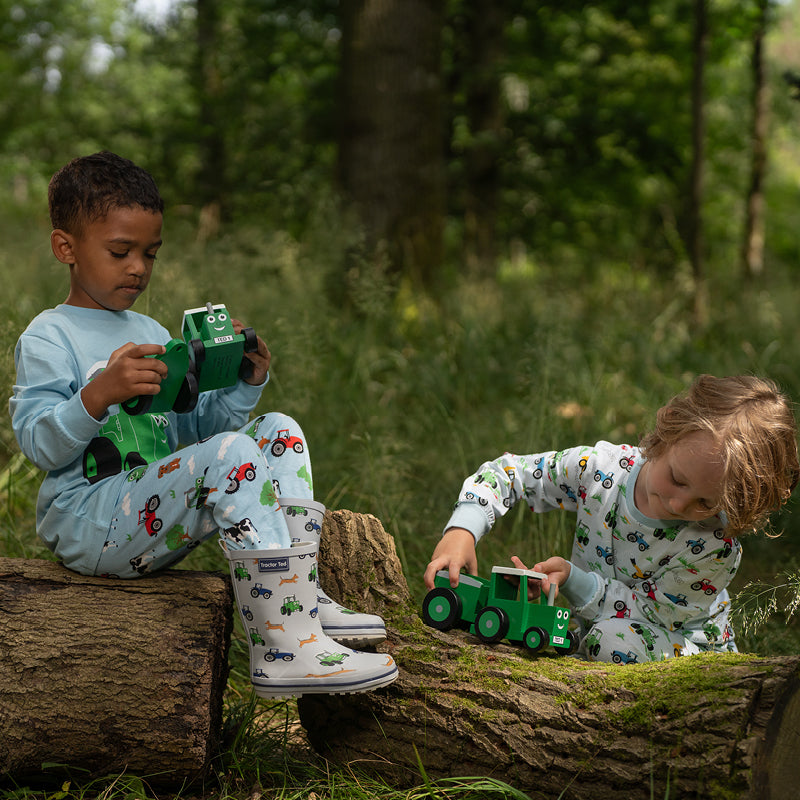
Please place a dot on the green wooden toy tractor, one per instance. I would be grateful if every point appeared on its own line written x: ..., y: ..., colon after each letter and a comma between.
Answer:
x: 499, y: 608
x: 210, y: 356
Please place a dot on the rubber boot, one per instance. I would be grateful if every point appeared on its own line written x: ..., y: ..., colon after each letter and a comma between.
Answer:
x: 304, y: 519
x: 290, y: 655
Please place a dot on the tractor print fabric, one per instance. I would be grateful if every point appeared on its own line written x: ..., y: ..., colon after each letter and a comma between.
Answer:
x: 662, y: 584
x: 229, y: 483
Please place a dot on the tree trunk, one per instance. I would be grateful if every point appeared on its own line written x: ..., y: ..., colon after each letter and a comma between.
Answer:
x: 704, y: 726
x: 753, y: 247
x: 391, y: 158
x: 108, y: 675
x: 212, y: 172
x: 480, y: 30
x: 695, y: 243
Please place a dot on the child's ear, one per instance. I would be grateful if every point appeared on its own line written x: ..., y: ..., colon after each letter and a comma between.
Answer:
x: 61, y: 242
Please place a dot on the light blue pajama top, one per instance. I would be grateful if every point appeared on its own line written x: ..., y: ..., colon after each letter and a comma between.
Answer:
x: 57, y: 355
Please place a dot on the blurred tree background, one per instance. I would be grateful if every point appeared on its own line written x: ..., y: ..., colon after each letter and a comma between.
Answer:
x: 464, y: 225
x: 465, y: 135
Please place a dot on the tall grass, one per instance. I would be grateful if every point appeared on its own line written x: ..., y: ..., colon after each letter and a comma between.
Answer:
x: 402, y: 395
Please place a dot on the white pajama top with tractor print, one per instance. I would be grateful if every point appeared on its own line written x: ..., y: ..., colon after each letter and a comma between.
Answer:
x: 666, y: 574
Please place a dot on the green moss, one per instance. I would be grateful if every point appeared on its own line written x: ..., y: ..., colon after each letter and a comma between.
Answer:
x: 717, y: 791
x: 631, y: 696
x: 668, y: 689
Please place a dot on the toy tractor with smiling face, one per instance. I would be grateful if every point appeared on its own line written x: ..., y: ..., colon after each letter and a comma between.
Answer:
x: 500, y: 608
x: 210, y: 356
x: 217, y: 352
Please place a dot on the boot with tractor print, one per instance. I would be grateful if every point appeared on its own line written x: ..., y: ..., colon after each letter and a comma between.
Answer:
x: 290, y: 655
x: 304, y: 519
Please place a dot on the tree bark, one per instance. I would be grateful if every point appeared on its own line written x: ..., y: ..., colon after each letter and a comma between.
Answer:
x: 705, y: 726
x: 107, y: 676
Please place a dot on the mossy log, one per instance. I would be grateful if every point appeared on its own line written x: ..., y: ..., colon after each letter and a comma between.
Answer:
x: 708, y: 726
x: 106, y: 676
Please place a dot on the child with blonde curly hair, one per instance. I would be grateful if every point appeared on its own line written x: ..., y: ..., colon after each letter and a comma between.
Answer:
x: 656, y: 542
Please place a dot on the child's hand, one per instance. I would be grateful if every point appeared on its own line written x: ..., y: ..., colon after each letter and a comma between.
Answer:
x: 127, y: 374
x: 456, y: 549
x: 260, y: 358
x: 556, y: 568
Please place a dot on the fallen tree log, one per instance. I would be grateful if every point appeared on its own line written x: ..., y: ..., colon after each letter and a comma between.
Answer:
x: 708, y: 726
x: 105, y: 676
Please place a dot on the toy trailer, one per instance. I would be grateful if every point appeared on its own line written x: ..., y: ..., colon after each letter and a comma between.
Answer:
x: 178, y: 390
x: 498, y: 608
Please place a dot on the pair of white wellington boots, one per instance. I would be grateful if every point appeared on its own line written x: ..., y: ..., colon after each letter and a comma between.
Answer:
x: 293, y: 626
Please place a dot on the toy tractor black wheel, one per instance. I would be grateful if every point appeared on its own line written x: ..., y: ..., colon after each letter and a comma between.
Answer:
x: 535, y: 639
x: 441, y: 609
x: 198, y: 354
x: 138, y: 405
x: 250, y: 346
x: 187, y: 395
x: 572, y: 638
x: 250, y: 340
x: 491, y: 624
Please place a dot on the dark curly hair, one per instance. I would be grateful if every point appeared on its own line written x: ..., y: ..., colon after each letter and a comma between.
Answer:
x: 87, y: 188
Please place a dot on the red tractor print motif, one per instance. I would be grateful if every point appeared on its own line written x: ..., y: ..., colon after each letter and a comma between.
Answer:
x: 148, y: 515
x: 704, y: 586
x: 284, y: 441
x: 246, y: 472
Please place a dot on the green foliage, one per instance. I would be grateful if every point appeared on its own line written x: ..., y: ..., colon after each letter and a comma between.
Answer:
x: 761, y: 603
x: 592, y: 146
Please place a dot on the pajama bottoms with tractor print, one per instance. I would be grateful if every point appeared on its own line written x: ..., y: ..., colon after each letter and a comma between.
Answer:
x: 229, y: 484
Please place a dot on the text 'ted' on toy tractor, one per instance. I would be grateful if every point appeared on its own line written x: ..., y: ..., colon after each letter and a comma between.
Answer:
x: 210, y: 356
x: 499, y: 608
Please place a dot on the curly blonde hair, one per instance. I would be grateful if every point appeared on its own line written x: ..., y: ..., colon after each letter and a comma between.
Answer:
x: 753, y: 425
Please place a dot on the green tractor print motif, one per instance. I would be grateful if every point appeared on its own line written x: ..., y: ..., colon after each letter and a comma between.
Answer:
x: 125, y: 443
x: 256, y: 637
x: 328, y: 659
x: 291, y: 605
x: 197, y: 496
